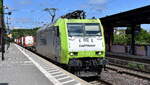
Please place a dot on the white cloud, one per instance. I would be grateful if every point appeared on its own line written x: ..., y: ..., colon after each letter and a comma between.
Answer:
x: 23, y: 2
x: 17, y: 28
x: 23, y: 20
x: 97, y: 2
x: 97, y: 5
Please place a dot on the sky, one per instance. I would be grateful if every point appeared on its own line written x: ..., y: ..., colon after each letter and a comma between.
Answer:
x: 30, y: 13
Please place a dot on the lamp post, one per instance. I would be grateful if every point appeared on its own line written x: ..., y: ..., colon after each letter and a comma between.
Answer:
x: 2, y: 28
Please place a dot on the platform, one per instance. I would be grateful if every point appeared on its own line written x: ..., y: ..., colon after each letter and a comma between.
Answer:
x: 22, y: 67
x: 127, y: 55
x: 142, y: 59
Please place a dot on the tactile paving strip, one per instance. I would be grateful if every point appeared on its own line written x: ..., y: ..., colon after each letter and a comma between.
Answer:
x: 54, y: 71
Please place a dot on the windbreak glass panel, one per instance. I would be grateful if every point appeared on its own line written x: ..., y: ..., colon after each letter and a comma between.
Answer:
x: 75, y: 29
x: 92, y: 29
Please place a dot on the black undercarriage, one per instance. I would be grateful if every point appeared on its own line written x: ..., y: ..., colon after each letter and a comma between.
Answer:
x: 86, y: 67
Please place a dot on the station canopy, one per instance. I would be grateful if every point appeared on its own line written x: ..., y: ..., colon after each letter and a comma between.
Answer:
x: 128, y: 18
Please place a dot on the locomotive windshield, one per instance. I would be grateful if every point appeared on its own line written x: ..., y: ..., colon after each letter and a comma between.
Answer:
x: 84, y: 29
x: 92, y: 29
x: 75, y: 29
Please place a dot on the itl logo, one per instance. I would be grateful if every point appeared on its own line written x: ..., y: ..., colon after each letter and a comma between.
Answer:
x: 86, y: 45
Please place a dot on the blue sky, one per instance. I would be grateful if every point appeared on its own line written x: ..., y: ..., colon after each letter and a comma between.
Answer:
x: 29, y: 13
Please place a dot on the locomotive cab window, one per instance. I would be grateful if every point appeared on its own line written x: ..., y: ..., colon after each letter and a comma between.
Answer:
x: 86, y: 29
x: 92, y: 29
x: 75, y: 29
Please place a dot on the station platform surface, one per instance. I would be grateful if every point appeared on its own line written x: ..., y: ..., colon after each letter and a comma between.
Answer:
x: 22, y: 67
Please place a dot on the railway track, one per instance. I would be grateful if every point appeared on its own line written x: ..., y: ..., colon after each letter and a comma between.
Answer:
x: 122, y: 76
x: 133, y: 58
x: 127, y: 71
x: 100, y: 82
x: 130, y: 63
x: 96, y: 81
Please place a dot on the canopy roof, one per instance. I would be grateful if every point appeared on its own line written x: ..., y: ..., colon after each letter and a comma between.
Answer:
x: 128, y: 18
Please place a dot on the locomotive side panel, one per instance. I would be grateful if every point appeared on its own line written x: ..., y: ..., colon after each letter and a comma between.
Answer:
x: 49, y: 47
x: 40, y: 42
x: 56, y: 43
x: 46, y: 43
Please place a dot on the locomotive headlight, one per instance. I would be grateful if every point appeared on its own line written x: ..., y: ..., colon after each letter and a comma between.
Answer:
x: 73, y: 53
x: 98, y: 53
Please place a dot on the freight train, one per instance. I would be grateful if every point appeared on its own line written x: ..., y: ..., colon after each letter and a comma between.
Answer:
x: 26, y: 42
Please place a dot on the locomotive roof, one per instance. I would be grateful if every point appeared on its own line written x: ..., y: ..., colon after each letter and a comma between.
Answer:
x: 58, y: 21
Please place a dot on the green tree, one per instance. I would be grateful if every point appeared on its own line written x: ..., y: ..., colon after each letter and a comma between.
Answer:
x: 24, y: 32
x: 120, y: 39
x: 143, y: 37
